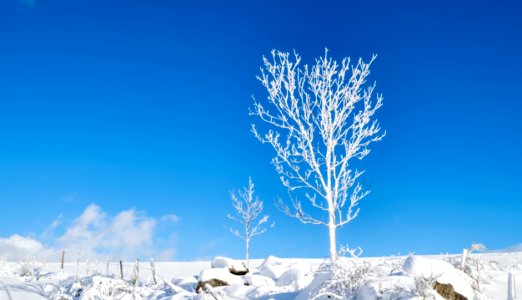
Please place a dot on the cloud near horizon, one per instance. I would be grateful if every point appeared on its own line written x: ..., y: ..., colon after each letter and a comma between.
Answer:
x: 94, y: 234
x: 514, y: 248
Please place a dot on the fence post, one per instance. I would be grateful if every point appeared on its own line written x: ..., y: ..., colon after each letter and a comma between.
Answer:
x: 463, y: 259
x: 136, y: 271
x: 511, y: 287
x: 107, y: 267
x: 121, y: 269
x: 62, y: 261
x: 153, y: 268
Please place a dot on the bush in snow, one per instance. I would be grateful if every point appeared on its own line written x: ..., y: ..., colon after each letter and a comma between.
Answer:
x: 343, y: 279
x: 29, y: 269
x: 340, y: 278
x: 423, y: 286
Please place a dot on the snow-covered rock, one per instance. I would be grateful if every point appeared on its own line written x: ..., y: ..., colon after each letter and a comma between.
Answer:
x: 222, y: 274
x: 440, y: 271
x: 223, y: 262
x: 234, y: 266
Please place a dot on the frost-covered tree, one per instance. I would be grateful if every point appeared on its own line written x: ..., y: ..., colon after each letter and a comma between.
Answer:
x: 247, y: 212
x: 321, y: 120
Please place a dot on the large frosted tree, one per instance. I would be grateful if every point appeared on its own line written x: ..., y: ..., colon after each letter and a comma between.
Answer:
x: 321, y: 119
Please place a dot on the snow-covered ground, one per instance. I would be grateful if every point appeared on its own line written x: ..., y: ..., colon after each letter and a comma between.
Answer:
x: 413, y: 277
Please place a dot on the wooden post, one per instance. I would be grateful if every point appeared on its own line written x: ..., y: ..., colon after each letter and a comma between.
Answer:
x: 511, y: 287
x: 121, y: 269
x: 62, y: 261
x: 153, y: 268
x: 136, y: 271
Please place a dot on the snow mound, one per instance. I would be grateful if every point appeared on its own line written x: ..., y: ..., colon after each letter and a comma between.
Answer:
x: 273, y: 267
x: 223, y: 262
x: 105, y: 288
x: 256, y: 280
x: 273, y: 272
x: 272, y: 261
x: 187, y: 283
x: 297, y: 277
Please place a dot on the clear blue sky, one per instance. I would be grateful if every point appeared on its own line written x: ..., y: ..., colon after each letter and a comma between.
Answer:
x: 143, y: 104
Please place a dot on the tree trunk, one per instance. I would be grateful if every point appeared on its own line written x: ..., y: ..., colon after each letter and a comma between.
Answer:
x: 247, y: 256
x: 331, y: 233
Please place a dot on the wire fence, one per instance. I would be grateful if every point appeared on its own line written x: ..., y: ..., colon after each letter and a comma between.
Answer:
x: 137, y: 271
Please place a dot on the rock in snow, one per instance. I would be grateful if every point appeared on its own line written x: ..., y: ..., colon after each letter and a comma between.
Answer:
x: 447, y: 291
x: 441, y: 271
x: 218, y: 277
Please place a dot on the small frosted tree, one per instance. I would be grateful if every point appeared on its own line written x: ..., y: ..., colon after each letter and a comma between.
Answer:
x: 247, y: 212
x: 321, y: 120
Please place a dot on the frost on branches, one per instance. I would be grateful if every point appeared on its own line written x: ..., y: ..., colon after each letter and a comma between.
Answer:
x: 248, y: 211
x: 321, y: 120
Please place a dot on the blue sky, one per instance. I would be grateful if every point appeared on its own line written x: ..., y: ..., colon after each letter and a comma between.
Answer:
x: 138, y: 111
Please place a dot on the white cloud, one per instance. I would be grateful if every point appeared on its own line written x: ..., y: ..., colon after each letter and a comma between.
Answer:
x: 94, y: 234
x: 18, y: 248
x: 128, y: 235
x: 170, y: 218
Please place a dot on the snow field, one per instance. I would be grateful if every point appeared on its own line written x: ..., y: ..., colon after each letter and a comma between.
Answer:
x: 409, y: 277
